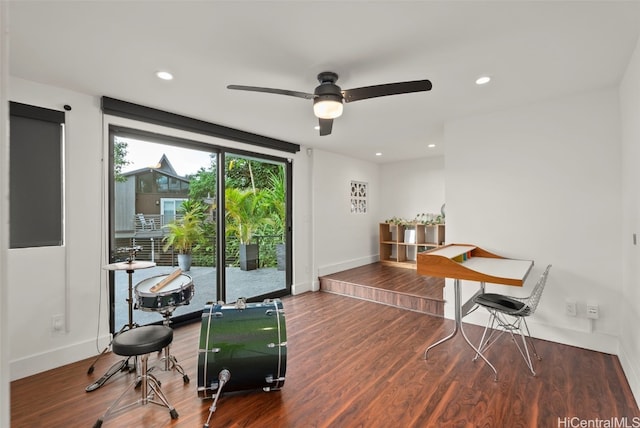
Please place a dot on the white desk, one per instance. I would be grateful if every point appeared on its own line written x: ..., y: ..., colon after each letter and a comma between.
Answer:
x: 469, y: 262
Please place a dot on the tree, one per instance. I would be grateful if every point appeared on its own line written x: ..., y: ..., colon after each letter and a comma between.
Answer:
x: 119, y: 159
x: 203, y: 183
x: 244, y: 173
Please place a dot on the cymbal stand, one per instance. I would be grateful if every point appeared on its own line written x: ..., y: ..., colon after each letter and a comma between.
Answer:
x: 123, y: 364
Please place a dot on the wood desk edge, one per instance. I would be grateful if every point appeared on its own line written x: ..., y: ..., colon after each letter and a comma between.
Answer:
x: 444, y: 267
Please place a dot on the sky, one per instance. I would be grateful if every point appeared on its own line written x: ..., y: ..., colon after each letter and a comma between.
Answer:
x: 143, y: 154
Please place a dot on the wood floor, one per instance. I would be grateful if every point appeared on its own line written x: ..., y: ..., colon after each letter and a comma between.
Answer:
x: 353, y: 363
x: 395, y: 286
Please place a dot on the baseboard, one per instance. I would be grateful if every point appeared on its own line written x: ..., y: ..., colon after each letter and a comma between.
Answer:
x: 631, y: 372
x: 349, y: 264
x: 302, y: 287
x: 594, y: 341
x: 34, y: 364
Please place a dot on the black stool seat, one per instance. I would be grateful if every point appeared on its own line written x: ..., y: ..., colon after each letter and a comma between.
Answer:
x: 142, y: 340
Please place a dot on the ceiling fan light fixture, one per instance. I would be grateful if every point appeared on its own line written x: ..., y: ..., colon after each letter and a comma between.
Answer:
x: 327, y: 106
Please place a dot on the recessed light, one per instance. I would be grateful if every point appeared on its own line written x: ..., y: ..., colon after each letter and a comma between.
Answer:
x: 164, y: 75
x: 431, y: 146
x: 483, y: 80
x: 378, y: 154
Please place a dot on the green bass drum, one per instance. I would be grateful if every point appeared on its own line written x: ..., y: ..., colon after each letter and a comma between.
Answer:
x: 247, y: 339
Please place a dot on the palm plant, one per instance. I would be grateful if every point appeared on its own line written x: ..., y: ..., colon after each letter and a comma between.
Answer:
x: 185, y: 233
x: 247, y: 211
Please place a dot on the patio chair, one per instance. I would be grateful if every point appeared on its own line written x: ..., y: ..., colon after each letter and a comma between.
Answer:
x: 144, y: 223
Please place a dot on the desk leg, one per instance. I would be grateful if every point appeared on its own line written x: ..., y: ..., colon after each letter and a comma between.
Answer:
x: 444, y: 339
x: 458, y: 326
x: 458, y: 292
x: 457, y: 319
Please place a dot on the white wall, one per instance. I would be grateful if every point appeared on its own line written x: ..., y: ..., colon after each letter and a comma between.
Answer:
x: 629, y: 302
x: 412, y: 187
x: 342, y: 240
x: 67, y: 280
x: 4, y: 217
x: 542, y: 182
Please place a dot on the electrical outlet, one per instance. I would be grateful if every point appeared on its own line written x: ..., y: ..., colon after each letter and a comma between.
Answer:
x: 57, y: 323
x: 593, y: 310
x: 570, y: 308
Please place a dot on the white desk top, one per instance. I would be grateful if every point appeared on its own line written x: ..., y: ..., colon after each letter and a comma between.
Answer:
x: 451, y: 251
x: 502, y: 268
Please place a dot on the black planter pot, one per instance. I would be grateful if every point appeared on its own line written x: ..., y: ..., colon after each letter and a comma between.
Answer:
x: 248, y: 256
x: 281, y: 256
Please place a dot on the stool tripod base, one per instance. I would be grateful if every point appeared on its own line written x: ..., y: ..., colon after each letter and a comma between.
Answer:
x: 150, y: 390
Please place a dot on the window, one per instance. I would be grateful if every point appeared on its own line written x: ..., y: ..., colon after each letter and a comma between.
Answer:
x: 169, y: 207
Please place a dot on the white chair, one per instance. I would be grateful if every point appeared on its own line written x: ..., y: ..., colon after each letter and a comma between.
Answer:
x: 144, y: 223
x: 508, y: 314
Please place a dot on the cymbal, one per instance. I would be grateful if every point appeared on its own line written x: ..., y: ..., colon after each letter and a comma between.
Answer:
x: 136, y: 264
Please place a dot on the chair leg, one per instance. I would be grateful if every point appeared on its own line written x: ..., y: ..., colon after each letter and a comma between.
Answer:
x: 533, y: 347
x: 496, y: 326
x: 493, y: 328
x: 527, y: 358
x: 486, y: 342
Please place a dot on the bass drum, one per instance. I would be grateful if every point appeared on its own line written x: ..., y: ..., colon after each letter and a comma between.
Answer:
x: 249, y: 340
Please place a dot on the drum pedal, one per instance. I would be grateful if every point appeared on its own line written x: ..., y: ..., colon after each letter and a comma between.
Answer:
x: 113, y: 370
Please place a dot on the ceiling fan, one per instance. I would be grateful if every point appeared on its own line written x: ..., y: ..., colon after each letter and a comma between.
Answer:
x: 328, y: 98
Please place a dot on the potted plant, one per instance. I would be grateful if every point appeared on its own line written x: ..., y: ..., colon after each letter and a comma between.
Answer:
x: 185, y: 234
x: 246, y: 212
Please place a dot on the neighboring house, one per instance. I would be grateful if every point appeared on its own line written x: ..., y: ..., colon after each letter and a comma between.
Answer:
x: 148, y: 199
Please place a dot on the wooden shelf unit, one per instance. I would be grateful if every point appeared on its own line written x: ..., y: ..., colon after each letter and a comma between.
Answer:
x: 398, y: 249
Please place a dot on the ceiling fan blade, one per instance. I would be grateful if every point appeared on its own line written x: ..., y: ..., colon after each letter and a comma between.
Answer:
x: 386, y: 89
x: 273, y: 91
x: 325, y: 126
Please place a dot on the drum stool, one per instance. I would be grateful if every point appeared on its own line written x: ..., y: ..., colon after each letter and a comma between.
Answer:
x: 142, y: 341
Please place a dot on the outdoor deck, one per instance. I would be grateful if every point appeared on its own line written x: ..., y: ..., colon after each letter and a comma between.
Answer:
x: 240, y: 284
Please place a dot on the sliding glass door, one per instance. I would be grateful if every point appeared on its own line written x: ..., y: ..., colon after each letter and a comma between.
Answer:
x: 255, y: 220
x: 210, y: 226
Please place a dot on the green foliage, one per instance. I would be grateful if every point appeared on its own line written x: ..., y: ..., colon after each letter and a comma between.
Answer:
x: 119, y: 159
x: 203, y: 183
x: 185, y: 233
x: 247, y: 173
x: 275, y: 198
x: 246, y: 212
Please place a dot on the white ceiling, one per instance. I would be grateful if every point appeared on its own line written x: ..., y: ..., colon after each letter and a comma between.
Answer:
x: 533, y: 50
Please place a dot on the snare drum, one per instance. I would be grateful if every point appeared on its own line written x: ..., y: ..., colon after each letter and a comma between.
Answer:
x: 177, y: 292
x: 249, y: 340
